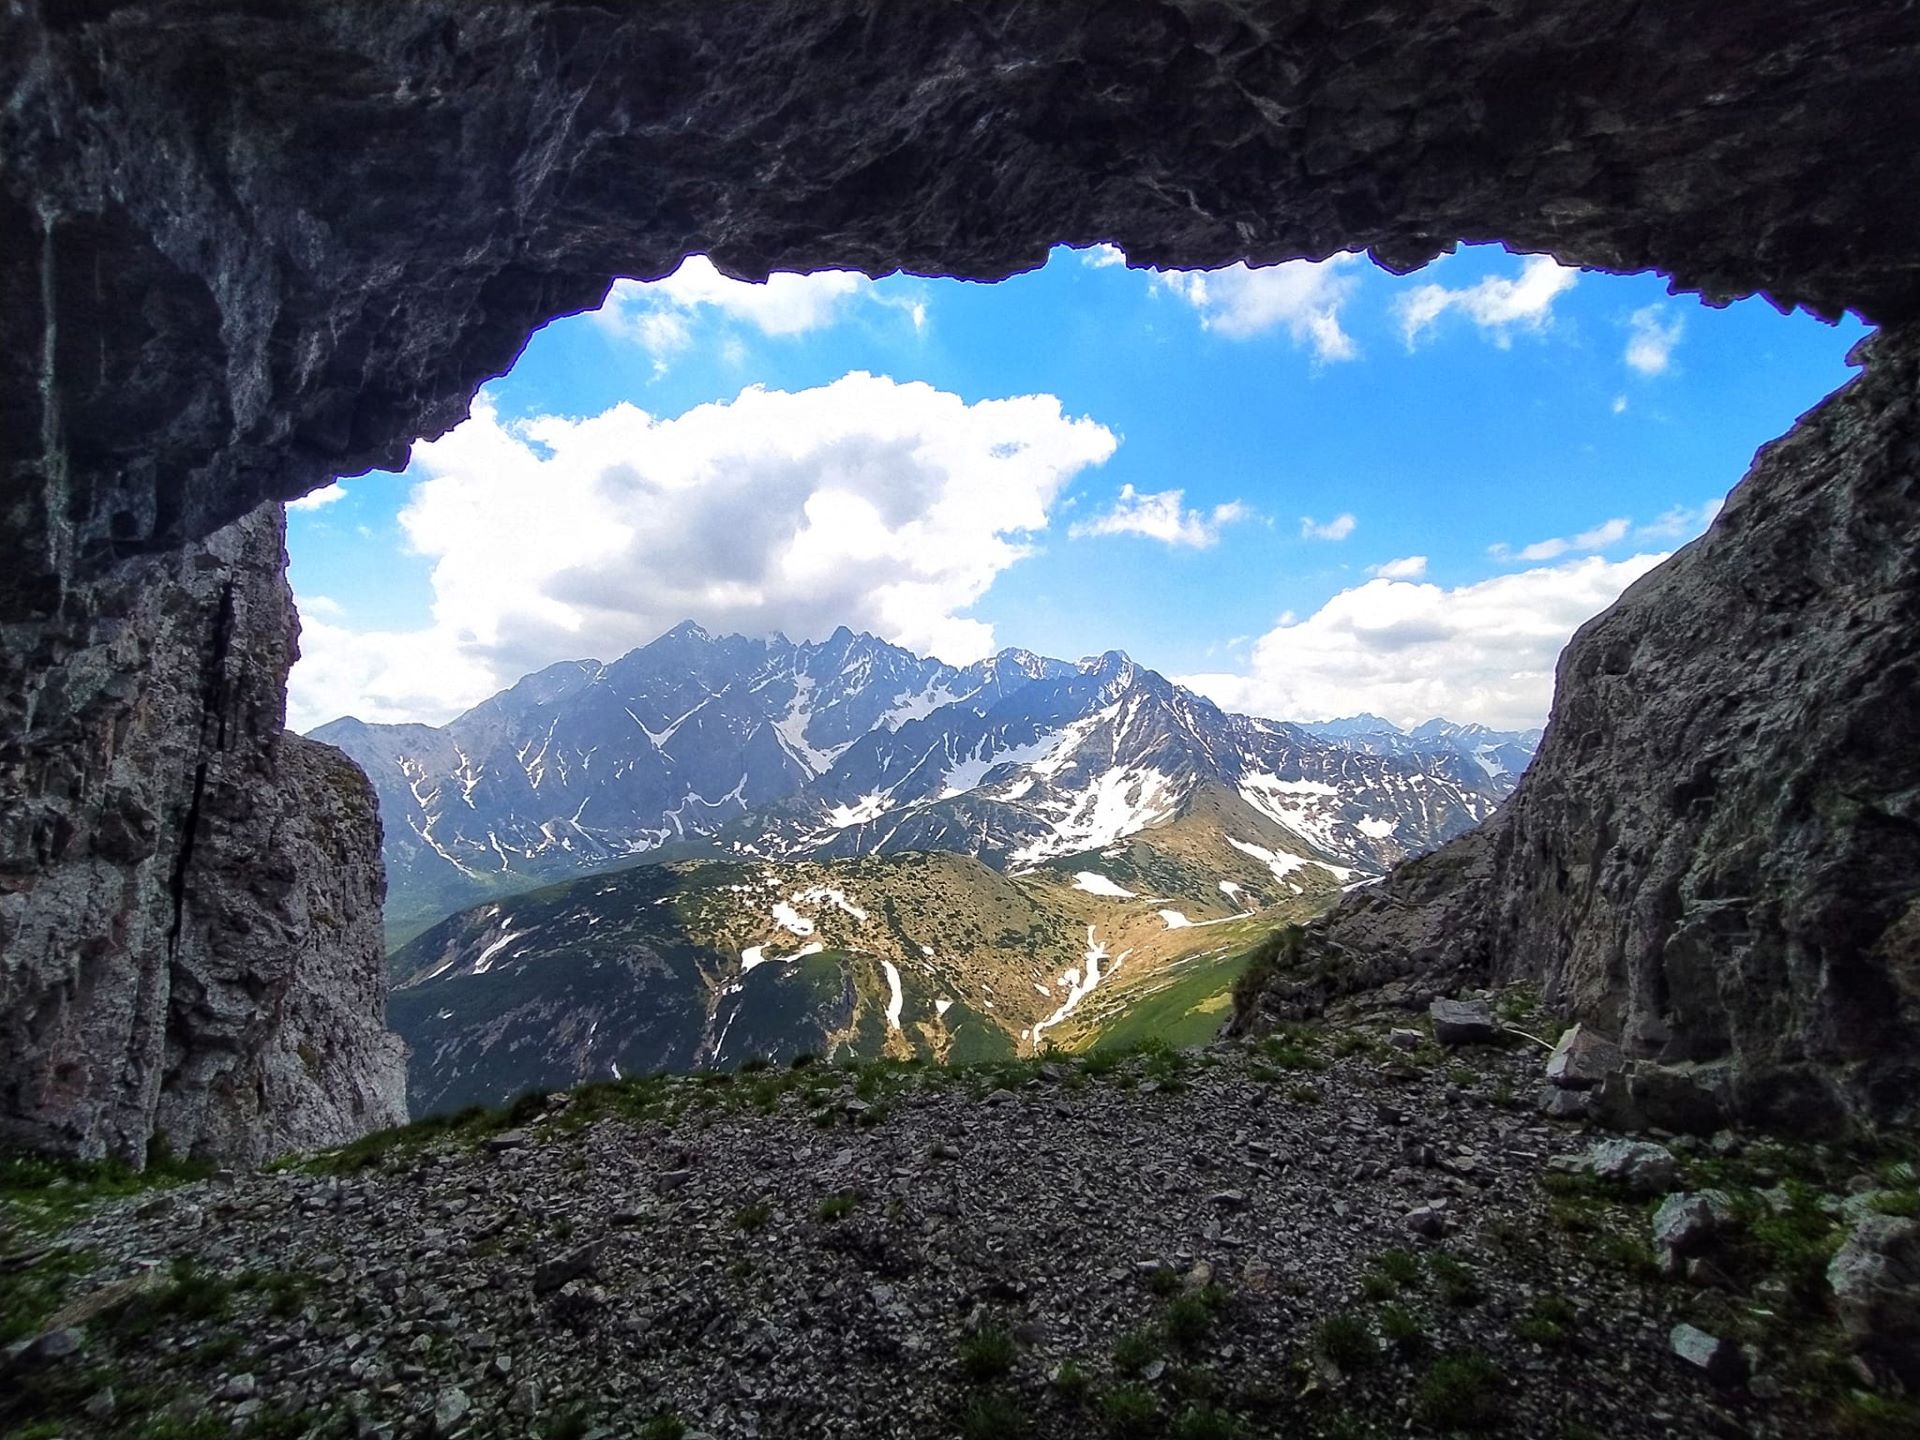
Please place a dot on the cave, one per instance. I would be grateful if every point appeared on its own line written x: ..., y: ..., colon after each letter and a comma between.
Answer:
x: 248, y: 248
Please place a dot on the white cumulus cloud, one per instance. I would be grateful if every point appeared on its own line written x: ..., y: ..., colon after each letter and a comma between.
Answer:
x: 1338, y: 528
x: 319, y: 499
x: 1652, y: 335
x: 1161, y: 515
x: 889, y: 507
x: 661, y: 315
x: 1496, y: 305
x: 1102, y: 256
x: 1481, y: 652
x: 1301, y: 297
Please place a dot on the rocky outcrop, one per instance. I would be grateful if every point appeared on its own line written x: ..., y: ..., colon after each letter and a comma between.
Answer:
x: 189, y: 897
x: 1716, y: 853
x: 246, y: 248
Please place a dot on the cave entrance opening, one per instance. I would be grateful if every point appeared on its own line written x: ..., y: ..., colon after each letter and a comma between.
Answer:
x: 1313, y: 492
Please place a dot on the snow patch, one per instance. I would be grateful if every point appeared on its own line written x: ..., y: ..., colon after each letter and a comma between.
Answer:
x: 940, y: 1008
x: 789, y: 918
x: 1376, y: 829
x: 868, y: 807
x: 1094, y: 883
x: 1082, y: 988
x: 1175, y: 920
x: 895, y: 996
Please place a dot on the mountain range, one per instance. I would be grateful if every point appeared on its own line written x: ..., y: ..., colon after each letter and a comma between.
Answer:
x: 701, y: 745
x: 720, y: 848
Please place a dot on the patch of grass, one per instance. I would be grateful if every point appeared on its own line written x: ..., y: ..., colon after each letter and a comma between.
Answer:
x: 1457, y: 1281
x: 1861, y: 1415
x: 191, y: 1295
x: 1401, y: 1327
x: 1203, y: 1422
x: 1460, y: 1391
x: 753, y: 1215
x: 1189, y: 1318
x: 1287, y: 1051
x: 1137, y: 1349
x: 570, y: 1424
x: 40, y: 1193
x: 1401, y: 1268
x: 32, y: 1293
x: 1547, y: 1321
x: 1904, y: 1203
x: 837, y: 1206
x: 1129, y: 1412
x: 1347, y: 1342
x: 1375, y: 1286
x: 991, y: 1415
x: 1461, y: 1075
x: 987, y: 1354
x: 1304, y: 1094
x: 664, y: 1426
x: 1072, y: 1381
x: 1163, y: 1280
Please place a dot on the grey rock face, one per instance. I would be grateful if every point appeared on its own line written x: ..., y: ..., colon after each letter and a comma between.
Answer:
x: 189, y: 897
x: 1715, y: 854
x: 1876, y: 1290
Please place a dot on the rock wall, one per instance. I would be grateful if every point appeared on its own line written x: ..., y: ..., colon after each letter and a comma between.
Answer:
x: 245, y: 248
x: 189, y: 896
x: 1716, y: 852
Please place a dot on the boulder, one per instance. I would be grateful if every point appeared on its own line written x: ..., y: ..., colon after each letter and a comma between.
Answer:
x: 1558, y: 1104
x: 1719, y: 1360
x: 1876, y: 1291
x: 1463, y: 1022
x: 1686, y: 1225
x: 1583, y: 1059
x: 1638, y: 1167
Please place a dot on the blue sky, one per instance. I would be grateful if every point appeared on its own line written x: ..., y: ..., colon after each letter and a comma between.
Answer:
x: 1398, y: 494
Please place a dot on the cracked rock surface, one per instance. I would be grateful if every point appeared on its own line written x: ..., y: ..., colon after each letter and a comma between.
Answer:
x: 189, y: 896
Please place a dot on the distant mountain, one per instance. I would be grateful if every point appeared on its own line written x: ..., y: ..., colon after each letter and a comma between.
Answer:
x: 722, y: 745
x: 709, y: 963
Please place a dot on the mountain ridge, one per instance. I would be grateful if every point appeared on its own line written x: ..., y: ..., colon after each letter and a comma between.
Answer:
x: 729, y: 745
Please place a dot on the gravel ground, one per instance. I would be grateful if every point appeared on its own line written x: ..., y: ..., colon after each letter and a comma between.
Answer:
x: 915, y: 1253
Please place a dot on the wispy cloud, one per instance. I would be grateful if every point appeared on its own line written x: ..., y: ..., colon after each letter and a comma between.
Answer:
x: 1302, y: 298
x: 1338, y: 528
x: 1101, y: 257
x: 1497, y: 306
x: 1162, y: 515
x: 1410, y: 567
x: 1682, y: 522
x: 1653, y: 333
